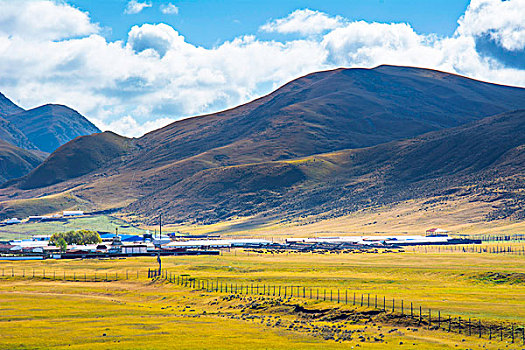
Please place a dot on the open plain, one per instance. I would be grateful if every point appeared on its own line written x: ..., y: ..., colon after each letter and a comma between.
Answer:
x: 67, y: 309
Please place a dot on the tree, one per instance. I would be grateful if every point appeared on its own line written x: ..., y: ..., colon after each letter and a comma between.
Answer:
x: 62, y: 244
x: 79, y: 237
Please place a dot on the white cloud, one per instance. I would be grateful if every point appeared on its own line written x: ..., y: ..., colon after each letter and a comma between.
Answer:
x: 133, y: 7
x: 156, y: 37
x: 44, y: 20
x: 502, y: 21
x: 169, y: 9
x: 155, y: 76
x: 305, y: 22
x: 128, y: 126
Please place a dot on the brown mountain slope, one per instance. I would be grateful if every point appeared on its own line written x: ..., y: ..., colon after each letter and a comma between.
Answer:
x: 84, y: 155
x: 321, y: 112
x: 327, y: 111
x: 484, y: 159
x: 15, y: 161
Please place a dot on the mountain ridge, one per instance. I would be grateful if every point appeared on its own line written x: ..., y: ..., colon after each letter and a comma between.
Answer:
x: 323, y: 112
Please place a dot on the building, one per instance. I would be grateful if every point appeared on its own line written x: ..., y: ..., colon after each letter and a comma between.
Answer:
x: 436, y: 232
x: 12, y: 221
x: 72, y: 213
x: 135, y: 249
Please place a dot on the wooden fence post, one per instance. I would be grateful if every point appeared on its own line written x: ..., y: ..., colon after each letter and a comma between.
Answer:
x: 480, y: 329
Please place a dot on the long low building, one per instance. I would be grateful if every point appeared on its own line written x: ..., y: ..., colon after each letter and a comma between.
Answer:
x: 377, y: 240
x: 218, y: 243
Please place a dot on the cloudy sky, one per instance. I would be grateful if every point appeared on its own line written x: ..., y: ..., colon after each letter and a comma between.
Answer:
x: 133, y: 66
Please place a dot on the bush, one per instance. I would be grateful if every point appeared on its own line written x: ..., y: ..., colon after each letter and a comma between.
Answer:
x: 79, y: 237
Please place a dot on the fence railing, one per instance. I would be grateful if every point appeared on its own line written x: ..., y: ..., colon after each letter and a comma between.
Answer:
x: 515, y: 249
x: 399, y: 308
x: 71, y: 276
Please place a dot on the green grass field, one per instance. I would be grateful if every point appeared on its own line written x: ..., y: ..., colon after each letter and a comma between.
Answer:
x: 145, y: 314
x: 97, y: 223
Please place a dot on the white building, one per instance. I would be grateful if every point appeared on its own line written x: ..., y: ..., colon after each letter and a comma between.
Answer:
x: 135, y: 249
x: 12, y: 221
x: 72, y: 213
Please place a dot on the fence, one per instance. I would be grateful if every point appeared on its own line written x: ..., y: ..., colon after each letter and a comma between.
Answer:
x: 71, y: 276
x: 401, y: 309
x: 515, y: 249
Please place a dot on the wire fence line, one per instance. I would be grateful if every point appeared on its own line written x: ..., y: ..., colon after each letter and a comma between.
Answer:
x: 72, y: 276
x: 399, y: 308
x: 516, y: 249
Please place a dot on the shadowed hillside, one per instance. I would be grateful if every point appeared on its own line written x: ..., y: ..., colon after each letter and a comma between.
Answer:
x: 7, y: 106
x: 10, y: 133
x: 16, y: 162
x: 84, y: 155
x: 50, y: 126
x: 41, y: 130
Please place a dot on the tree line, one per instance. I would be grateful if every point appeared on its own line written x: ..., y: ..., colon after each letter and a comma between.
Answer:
x: 80, y: 237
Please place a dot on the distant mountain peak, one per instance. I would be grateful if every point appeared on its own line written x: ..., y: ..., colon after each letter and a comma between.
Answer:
x: 52, y: 125
x: 7, y: 106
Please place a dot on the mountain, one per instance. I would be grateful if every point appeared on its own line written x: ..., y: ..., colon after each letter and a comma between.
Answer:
x: 50, y: 126
x: 245, y: 160
x: 16, y: 162
x: 11, y: 134
x: 84, y: 155
x: 7, y: 106
x: 484, y: 160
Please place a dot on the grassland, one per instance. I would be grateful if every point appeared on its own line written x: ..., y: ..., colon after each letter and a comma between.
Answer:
x: 454, y: 283
x: 135, y: 315
x: 140, y: 314
x: 97, y: 222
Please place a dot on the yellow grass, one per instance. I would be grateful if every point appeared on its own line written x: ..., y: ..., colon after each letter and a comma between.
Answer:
x: 135, y: 315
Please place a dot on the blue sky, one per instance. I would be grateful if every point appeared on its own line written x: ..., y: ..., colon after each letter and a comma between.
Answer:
x: 208, y: 23
x: 131, y: 66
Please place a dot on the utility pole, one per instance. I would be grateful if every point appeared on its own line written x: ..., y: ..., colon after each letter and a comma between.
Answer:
x: 160, y: 225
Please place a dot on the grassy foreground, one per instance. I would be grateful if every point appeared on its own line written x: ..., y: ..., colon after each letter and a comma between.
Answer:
x: 134, y: 315
x: 139, y: 313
